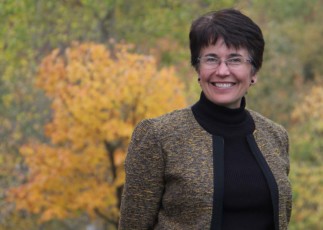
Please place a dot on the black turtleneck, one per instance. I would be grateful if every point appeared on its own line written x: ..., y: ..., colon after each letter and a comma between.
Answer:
x: 247, y: 202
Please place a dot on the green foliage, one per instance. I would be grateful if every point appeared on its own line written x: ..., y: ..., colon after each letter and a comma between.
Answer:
x: 306, y: 156
x: 307, y: 183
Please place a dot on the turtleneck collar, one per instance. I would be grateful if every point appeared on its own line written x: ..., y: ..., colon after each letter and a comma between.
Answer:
x: 219, y: 120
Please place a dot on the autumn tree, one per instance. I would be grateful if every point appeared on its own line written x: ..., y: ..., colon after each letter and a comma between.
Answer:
x: 97, y: 98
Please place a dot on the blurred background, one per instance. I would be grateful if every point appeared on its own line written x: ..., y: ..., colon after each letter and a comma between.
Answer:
x: 76, y: 76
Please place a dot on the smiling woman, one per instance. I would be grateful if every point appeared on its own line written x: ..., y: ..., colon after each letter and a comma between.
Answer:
x: 214, y: 165
x: 227, y: 81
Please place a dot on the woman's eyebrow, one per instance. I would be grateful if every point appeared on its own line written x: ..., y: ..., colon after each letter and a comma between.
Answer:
x: 229, y: 56
x: 211, y: 55
x: 235, y: 55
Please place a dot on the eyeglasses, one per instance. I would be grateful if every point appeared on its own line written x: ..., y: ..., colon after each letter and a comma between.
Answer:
x: 210, y: 62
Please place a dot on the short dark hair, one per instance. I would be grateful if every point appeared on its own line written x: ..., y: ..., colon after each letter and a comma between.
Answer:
x: 236, y: 29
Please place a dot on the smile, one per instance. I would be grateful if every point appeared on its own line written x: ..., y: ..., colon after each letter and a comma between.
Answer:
x: 223, y: 85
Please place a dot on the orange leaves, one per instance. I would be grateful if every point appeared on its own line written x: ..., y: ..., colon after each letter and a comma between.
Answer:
x: 97, y: 99
x: 60, y: 182
x: 105, y: 95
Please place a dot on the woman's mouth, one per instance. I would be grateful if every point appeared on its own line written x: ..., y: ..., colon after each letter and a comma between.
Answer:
x: 222, y: 85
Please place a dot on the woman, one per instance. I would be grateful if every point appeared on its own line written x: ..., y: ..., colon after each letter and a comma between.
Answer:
x: 216, y: 164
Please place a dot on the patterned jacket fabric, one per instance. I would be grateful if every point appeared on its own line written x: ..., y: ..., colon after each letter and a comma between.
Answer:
x: 169, y: 172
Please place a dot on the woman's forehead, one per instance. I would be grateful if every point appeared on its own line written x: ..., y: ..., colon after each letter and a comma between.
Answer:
x: 221, y: 47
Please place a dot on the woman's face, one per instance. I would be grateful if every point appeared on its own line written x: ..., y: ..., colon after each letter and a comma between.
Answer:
x: 225, y: 85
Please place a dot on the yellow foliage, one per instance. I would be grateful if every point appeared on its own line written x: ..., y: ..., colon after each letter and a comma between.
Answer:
x: 107, y: 96
x: 307, y: 184
x: 97, y: 99
x: 311, y: 106
x: 307, y: 131
x: 307, y: 167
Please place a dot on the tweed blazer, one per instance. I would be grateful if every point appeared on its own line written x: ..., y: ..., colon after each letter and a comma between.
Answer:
x: 169, y: 172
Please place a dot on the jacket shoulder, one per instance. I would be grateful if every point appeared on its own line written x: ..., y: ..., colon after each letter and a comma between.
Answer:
x: 264, y: 122
x: 169, y: 124
x: 175, y: 118
x: 269, y: 128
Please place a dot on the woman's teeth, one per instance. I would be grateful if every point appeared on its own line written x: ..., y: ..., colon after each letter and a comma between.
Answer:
x: 223, y: 85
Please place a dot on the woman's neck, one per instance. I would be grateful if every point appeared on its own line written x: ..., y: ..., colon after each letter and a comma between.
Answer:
x: 220, y: 120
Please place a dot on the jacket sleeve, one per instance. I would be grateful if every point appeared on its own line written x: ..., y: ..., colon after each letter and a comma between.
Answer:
x: 284, y: 145
x: 289, y: 204
x: 144, y: 184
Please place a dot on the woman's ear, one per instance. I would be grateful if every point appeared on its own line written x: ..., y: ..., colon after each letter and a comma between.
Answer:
x: 253, y: 80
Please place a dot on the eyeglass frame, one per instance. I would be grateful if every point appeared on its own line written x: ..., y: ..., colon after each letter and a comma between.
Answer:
x: 219, y: 61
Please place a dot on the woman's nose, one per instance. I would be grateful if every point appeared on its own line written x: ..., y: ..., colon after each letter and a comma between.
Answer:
x: 222, y: 69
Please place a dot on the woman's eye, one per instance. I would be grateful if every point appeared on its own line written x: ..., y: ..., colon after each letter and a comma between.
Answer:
x: 211, y: 60
x: 234, y: 60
